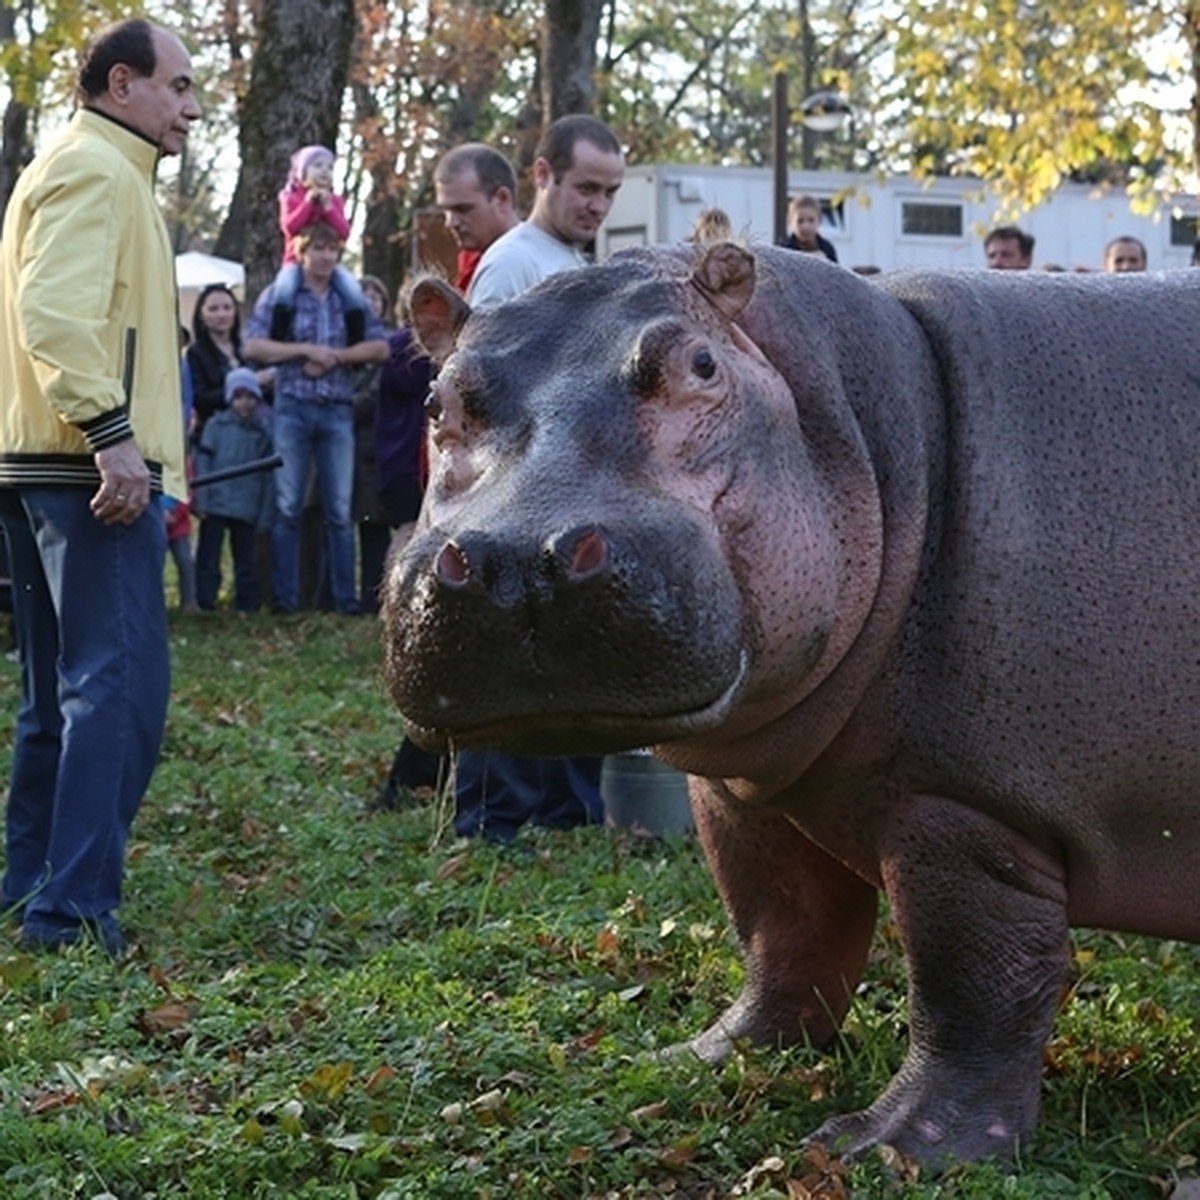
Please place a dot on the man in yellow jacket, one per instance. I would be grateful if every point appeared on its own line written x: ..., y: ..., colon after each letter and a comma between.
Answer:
x: 91, y: 432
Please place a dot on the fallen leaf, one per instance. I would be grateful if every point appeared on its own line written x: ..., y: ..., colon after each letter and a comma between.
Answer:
x: 48, y: 1102
x: 608, y: 941
x: 824, y: 1178
x: 680, y: 1154
x: 254, y: 830
x: 516, y: 1078
x: 590, y: 1040
x: 452, y: 866
x: 166, y: 1018
x: 159, y: 978
x: 908, y: 1169
x: 770, y: 1168
x: 379, y: 1078
x: 650, y: 1112
x: 329, y: 1080
x: 490, y: 1101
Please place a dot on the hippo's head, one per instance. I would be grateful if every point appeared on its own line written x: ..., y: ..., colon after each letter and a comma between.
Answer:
x: 622, y: 518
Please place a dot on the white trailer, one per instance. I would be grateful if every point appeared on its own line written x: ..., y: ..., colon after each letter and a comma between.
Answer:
x: 889, y: 222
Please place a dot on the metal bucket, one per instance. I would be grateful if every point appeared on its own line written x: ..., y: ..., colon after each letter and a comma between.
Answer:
x: 640, y: 792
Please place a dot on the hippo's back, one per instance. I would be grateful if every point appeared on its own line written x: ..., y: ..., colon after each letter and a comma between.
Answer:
x: 1055, y: 637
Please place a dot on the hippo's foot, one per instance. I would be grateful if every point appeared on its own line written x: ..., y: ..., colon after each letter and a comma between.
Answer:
x: 759, y: 1020
x: 937, y: 1115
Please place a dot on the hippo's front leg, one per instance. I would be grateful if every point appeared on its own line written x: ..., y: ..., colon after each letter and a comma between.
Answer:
x: 983, y: 918
x: 803, y: 920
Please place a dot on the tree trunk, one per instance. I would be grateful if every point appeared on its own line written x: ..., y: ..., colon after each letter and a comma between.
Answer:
x: 300, y: 69
x: 15, y: 149
x: 570, y: 32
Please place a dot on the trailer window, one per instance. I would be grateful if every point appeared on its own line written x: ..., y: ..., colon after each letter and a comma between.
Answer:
x: 922, y: 219
x: 1183, y: 231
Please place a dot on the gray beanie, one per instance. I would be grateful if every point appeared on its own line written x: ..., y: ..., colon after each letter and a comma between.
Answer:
x: 241, y: 379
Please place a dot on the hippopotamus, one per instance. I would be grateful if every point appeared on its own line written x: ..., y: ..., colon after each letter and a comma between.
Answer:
x: 904, y: 572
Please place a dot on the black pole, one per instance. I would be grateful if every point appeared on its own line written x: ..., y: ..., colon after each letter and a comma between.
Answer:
x: 246, y: 468
x: 779, y: 156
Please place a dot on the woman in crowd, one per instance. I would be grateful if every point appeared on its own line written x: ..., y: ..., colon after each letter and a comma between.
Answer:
x: 215, y: 350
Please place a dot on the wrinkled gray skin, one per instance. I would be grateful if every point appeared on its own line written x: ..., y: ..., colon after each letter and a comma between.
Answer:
x: 904, y: 573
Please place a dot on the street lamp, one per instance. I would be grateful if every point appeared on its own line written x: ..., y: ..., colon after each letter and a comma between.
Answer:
x: 824, y: 112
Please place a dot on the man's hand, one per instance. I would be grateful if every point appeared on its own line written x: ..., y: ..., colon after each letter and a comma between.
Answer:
x: 319, y: 360
x: 124, y: 490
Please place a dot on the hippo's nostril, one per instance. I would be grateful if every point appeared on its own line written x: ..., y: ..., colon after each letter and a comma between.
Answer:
x: 588, y: 554
x: 452, y: 566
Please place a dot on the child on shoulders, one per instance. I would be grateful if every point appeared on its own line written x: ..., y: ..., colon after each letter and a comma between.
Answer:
x: 306, y: 198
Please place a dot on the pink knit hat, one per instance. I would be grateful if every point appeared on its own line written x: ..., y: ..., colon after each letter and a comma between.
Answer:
x: 303, y: 159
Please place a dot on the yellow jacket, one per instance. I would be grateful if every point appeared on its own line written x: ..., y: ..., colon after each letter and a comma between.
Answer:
x: 89, y: 336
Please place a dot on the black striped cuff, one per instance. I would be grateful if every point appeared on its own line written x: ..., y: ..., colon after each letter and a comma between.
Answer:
x: 107, y: 429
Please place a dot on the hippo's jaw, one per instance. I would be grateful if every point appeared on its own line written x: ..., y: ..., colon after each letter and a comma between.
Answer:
x: 587, y: 636
x: 554, y: 733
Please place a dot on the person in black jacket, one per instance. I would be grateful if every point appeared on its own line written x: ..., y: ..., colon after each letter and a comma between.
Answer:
x: 216, y: 350
x: 804, y: 222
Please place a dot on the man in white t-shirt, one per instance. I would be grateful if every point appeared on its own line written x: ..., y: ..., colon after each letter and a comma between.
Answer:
x: 578, y: 169
x: 476, y: 189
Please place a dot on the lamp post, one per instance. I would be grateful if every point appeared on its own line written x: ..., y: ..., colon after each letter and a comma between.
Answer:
x: 822, y: 112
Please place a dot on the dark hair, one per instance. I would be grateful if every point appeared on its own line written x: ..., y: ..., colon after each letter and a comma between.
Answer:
x: 491, y: 168
x: 320, y: 232
x: 373, y: 282
x: 1129, y: 239
x: 129, y: 43
x: 1014, y: 232
x: 558, y: 140
x: 200, y: 330
x: 796, y: 203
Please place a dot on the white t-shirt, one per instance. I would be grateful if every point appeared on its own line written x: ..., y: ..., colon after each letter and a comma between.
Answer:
x: 525, y: 255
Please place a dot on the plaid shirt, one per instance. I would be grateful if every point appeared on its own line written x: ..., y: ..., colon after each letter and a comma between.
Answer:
x: 318, y: 319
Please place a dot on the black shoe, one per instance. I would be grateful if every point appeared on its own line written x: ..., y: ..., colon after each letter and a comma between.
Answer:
x: 44, y: 934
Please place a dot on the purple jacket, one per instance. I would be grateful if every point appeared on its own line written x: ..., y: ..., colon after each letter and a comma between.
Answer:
x: 400, y: 416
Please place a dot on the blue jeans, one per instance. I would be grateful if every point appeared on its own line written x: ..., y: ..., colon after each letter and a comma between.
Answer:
x: 495, y: 794
x: 95, y: 678
x: 305, y: 431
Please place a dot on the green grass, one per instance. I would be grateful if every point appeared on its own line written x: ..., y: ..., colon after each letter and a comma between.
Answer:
x: 326, y: 1003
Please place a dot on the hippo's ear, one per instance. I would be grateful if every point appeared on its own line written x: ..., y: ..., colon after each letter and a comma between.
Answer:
x: 725, y: 274
x: 437, y: 313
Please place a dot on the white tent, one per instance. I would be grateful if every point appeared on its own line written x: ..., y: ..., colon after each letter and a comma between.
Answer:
x: 195, y: 271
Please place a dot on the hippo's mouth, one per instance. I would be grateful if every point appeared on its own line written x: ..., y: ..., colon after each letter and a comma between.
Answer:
x: 567, y: 733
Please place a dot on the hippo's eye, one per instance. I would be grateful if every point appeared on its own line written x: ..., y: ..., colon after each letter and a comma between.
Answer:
x: 433, y: 406
x: 703, y: 364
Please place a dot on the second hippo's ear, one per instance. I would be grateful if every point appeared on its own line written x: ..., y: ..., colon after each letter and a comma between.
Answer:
x: 725, y: 274
x: 437, y: 313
